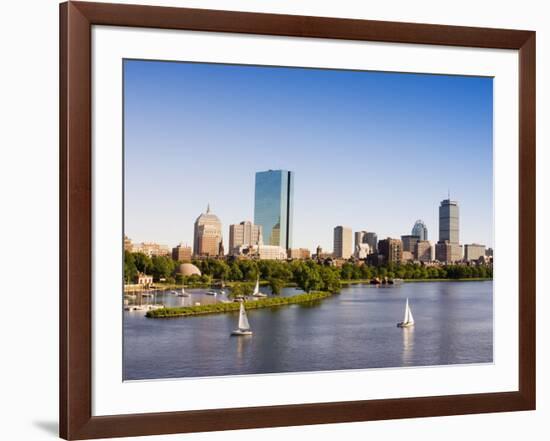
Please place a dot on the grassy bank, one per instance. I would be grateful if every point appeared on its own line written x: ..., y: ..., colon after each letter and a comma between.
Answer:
x: 465, y: 279
x: 355, y: 282
x: 186, y: 311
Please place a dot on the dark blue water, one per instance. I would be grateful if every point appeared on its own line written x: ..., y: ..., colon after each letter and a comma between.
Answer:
x: 353, y: 330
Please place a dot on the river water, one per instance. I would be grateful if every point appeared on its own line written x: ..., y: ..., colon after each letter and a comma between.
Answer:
x: 352, y: 330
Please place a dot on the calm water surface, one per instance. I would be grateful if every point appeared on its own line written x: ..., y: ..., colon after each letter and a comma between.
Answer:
x: 353, y: 330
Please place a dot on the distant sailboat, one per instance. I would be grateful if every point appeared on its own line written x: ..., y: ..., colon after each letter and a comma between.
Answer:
x: 257, y: 292
x: 244, y: 326
x: 183, y: 293
x: 408, y: 319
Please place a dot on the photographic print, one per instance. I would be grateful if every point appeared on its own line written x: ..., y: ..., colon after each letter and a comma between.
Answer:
x: 286, y: 219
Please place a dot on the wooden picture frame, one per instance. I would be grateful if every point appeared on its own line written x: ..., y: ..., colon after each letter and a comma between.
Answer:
x: 76, y: 20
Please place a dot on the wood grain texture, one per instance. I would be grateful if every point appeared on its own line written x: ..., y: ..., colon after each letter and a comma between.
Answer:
x: 76, y: 222
x: 76, y: 420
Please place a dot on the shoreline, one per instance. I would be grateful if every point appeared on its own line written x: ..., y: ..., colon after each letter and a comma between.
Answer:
x: 464, y: 279
x: 343, y: 283
x: 217, y: 308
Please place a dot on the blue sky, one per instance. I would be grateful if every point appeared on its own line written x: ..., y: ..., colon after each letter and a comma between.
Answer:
x: 370, y: 150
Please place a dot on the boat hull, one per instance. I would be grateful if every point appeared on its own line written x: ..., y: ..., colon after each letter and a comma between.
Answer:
x: 405, y: 325
x: 240, y: 333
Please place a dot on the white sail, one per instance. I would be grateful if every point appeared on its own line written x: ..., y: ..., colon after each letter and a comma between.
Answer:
x: 406, y: 317
x: 243, y: 319
x: 257, y: 287
x: 182, y: 290
x: 411, y: 319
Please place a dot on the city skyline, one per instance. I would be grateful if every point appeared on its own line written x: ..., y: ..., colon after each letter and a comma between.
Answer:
x: 253, y: 234
x: 336, y: 183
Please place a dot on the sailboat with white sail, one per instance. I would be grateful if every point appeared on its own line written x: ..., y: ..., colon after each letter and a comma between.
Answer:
x: 244, y: 326
x: 408, y: 319
x: 183, y: 293
x: 257, y: 292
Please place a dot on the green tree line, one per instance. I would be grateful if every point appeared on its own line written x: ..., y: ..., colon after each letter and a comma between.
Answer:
x: 309, y: 275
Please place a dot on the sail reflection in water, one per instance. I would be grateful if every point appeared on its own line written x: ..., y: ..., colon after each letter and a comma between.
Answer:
x: 408, y: 345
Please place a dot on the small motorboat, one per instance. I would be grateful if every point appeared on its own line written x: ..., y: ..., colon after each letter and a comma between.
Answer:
x: 135, y: 308
x: 153, y: 307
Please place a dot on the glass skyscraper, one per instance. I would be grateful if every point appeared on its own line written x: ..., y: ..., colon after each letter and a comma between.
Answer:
x: 273, y: 206
x: 420, y: 230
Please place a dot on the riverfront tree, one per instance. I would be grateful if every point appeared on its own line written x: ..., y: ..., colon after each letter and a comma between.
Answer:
x: 366, y: 272
x: 241, y: 289
x: 235, y: 272
x: 249, y: 269
x: 162, y: 267
x: 193, y: 279
x: 276, y: 285
x: 130, y: 270
x: 274, y: 269
x: 143, y: 262
x: 346, y: 272
x: 307, y: 277
x: 330, y: 278
x: 218, y: 269
x: 307, y: 274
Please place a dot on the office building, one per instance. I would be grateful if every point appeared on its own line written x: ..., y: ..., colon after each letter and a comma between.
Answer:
x: 407, y: 256
x: 362, y: 250
x: 372, y: 240
x: 271, y: 252
x: 208, y: 235
x: 360, y: 238
x: 419, y: 229
x: 448, y: 221
x: 473, y: 251
x: 273, y: 206
x: 448, y: 248
x: 423, y: 251
x: 151, y: 249
x: 448, y: 252
x: 343, y: 242
x: 299, y: 253
x: 391, y: 250
x: 365, y: 237
x: 246, y: 233
x: 182, y: 253
x: 409, y: 242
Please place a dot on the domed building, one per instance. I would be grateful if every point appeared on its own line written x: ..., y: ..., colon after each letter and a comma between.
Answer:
x: 188, y: 269
x: 208, y: 235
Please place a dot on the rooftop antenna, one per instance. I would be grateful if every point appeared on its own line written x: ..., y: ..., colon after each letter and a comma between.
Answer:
x: 448, y: 194
x: 208, y: 208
